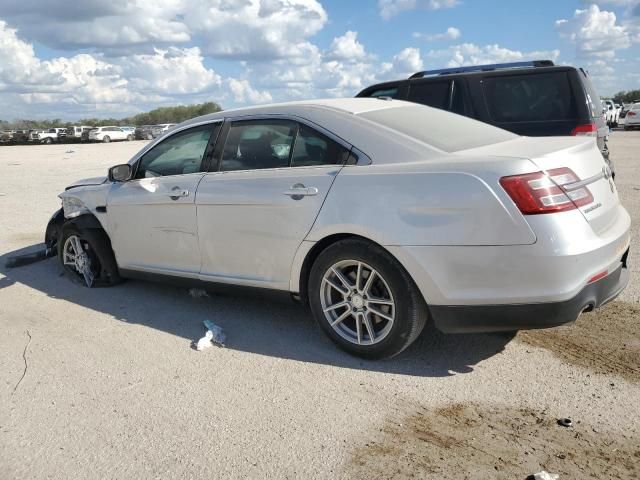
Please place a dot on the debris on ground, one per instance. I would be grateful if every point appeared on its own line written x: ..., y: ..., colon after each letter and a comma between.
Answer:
x: 70, y: 151
x: 219, y: 337
x: 214, y: 336
x: 28, y: 258
x: 205, y: 342
x: 565, y: 422
x: 198, y: 293
x: 543, y: 476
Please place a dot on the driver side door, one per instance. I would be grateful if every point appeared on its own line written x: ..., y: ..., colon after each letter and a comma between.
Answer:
x: 152, y: 217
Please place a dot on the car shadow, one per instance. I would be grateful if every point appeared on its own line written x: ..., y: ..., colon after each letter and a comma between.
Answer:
x: 252, y: 324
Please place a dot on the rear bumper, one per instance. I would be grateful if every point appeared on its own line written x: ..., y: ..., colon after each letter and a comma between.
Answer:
x: 496, y: 318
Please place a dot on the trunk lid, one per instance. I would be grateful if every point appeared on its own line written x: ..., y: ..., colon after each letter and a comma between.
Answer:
x: 583, y: 157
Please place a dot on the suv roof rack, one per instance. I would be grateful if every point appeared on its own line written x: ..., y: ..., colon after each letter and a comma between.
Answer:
x: 483, y: 68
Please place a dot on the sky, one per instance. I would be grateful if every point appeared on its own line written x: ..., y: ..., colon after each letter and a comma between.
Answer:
x: 114, y: 58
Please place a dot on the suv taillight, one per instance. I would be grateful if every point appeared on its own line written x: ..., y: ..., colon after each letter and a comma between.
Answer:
x: 587, y: 130
x: 539, y: 192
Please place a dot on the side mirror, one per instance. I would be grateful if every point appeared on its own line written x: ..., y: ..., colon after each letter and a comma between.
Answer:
x: 120, y: 173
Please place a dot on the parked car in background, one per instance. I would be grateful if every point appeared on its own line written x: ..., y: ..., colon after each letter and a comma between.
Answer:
x: 611, y: 112
x: 160, y: 129
x: 52, y: 135
x: 632, y: 119
x: 6, y: 136
x: 535, y: 99
x: 380, y: 215
x: 128, y: 129
x: 75, y: 133
x: 109, y: 134
x: 144, y: 132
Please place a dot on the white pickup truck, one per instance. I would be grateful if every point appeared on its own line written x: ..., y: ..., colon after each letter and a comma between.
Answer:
x: 52, y: 135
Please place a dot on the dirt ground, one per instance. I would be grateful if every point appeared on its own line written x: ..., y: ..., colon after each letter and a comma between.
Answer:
x: 103, y: 383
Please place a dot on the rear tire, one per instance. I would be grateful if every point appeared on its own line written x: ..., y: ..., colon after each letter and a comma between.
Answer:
x: 129, y: 138
x: 380, y: 317
x: 48, y: 140
x: 97, y: 247
x: 106, y: 139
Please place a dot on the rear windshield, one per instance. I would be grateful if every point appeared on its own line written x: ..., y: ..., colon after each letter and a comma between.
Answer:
x: 530, y: 98
x: 443, y: 130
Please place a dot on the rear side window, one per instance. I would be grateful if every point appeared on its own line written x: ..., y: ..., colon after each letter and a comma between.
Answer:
x: 313, y: 148
x: 433, y: 94
x: 530, y: 98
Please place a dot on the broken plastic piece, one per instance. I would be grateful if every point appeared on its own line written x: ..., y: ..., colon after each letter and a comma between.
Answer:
x: 544, y: 476
x: 205, y: 342
x: 218, y: 335
x: 198, y: 293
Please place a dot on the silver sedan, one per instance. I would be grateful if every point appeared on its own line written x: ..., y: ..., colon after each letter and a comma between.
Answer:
x: 380, y: 215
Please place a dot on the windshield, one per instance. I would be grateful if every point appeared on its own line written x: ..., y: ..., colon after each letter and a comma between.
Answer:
x: 438, y: 128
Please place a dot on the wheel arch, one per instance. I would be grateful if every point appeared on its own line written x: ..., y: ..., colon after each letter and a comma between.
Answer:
x: 301, y: 279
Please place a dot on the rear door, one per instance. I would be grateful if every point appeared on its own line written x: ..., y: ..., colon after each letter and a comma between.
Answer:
x: 254, y: 212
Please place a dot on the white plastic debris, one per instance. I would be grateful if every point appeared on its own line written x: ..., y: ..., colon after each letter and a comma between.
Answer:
x: 198, y: 293
x: 545, y: 476
x: 214, y: 336
x: 70, y: 151
x: 205, y: 342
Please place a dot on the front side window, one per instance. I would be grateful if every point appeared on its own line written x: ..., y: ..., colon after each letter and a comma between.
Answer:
x: 313, y: 148
x: 180, y: 154
x: 258, y: 144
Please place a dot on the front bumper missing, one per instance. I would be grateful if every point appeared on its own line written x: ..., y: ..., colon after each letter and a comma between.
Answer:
x: 501, y: 318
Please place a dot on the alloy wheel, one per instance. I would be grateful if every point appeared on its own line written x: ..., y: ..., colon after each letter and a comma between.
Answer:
x: 357, y: 302
x: 76, y: 255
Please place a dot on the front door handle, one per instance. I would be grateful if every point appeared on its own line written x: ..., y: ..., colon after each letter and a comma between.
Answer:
x: 298, y: 191
x: 177, y: 192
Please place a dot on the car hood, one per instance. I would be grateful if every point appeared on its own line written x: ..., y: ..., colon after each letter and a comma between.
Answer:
x: 87, y: 181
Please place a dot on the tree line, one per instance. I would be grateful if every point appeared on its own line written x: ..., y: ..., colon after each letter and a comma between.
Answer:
x: 176, y: 114
x: 627, y: 97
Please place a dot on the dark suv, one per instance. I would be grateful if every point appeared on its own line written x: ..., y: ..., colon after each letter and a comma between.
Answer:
x: 535, y: 99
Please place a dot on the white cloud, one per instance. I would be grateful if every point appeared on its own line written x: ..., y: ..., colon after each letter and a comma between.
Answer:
x: 247, y: 29
x: 594, y: 32
x: 471, y: 54
x: 452, y: 33
x: 390, y: 8
x: 347, y: 48
x: 86, y: 84
x: 244, y: 92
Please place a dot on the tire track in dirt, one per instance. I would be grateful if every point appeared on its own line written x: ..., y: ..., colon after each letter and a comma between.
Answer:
x: 477, y: 442
x: 606, y: 341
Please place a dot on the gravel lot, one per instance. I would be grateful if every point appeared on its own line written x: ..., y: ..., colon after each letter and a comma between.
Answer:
x: 112, y: 388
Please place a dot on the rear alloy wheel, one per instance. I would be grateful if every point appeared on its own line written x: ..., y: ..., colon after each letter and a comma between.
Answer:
x: 149, y: 136
x: 86, y: 256
x: 129, y: 138
x: 364, y: 300
x: 48, y: 140
x: 106, y: 139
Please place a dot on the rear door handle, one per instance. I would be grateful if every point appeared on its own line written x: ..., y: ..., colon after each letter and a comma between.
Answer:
x: 177, y: 192
x: 298, y: 191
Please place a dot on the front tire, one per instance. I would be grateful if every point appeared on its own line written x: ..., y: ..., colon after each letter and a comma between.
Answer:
x: 106, y: 139
x: 86, y: 256
x: 129, y: 138
x: 364, y: 300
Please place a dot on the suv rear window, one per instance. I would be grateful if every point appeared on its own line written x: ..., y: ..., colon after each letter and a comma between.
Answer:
x: 530, y: 98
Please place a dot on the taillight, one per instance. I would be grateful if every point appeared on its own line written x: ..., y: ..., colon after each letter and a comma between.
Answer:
x: 539, y: 192
x: 587, y: 130
x: 631, y: 114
